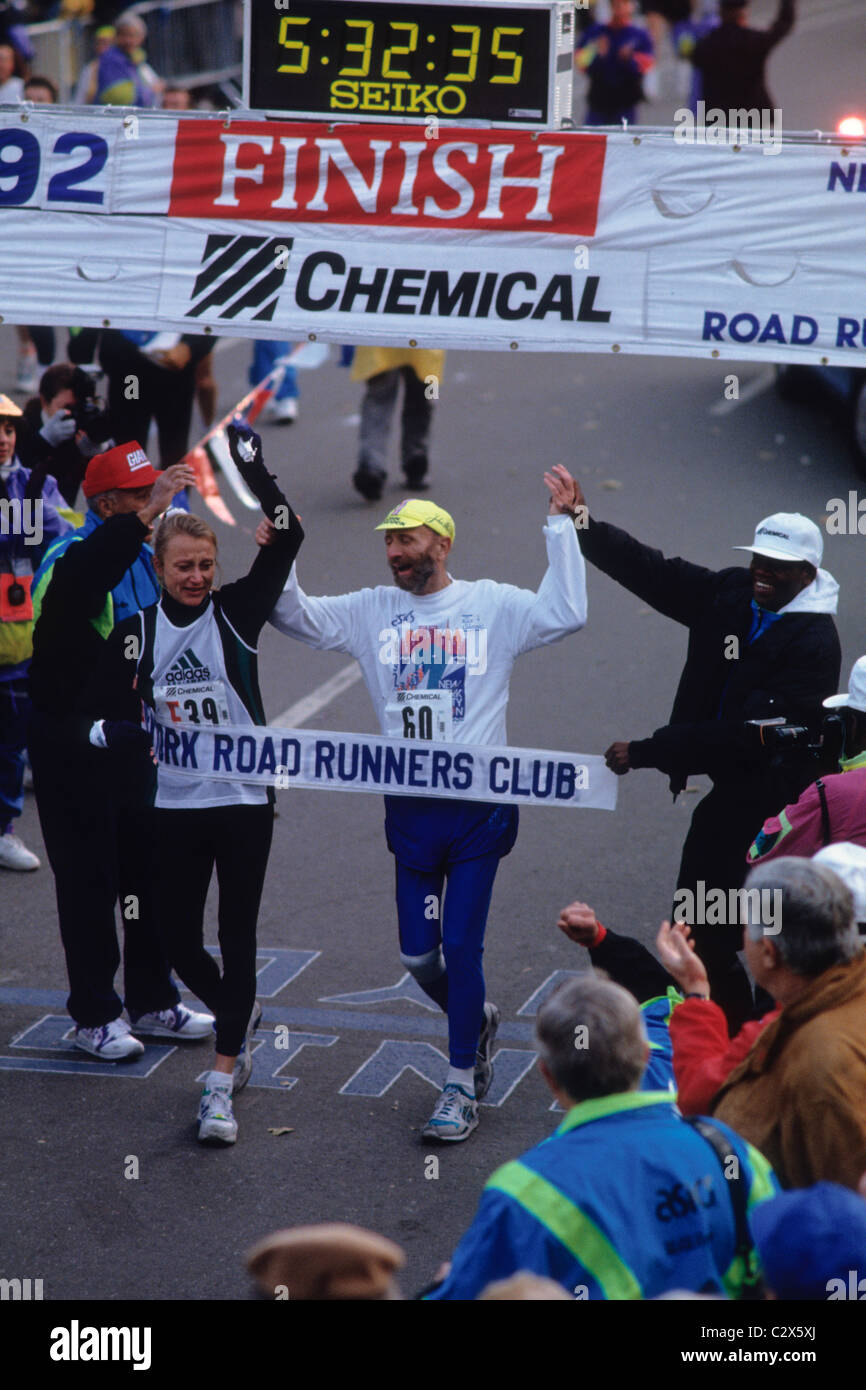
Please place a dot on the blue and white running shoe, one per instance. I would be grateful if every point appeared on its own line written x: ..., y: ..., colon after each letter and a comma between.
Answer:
x: 454, y: 1117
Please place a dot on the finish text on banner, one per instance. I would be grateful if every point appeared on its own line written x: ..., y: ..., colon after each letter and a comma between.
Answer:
x: 550, y: 241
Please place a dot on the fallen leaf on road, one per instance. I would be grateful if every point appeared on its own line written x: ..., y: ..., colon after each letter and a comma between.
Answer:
x: 284, y: 1129
x: 612, y: 485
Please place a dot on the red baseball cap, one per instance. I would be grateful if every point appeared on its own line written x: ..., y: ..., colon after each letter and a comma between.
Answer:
x: 125, y: 466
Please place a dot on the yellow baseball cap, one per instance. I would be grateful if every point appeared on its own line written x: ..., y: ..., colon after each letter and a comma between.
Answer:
x: 8, y: 408
x: 414, y: 511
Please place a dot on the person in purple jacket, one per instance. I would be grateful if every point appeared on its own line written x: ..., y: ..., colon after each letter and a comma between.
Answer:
x: 123, y: 78
x: 833, y: 808
x: 30, y: 520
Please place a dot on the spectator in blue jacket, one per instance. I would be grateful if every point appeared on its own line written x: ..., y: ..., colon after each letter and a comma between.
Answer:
x: 626, y: 1200
x: 615, y: 58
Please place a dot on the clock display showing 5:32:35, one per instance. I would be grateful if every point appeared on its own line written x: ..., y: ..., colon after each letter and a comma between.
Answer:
x: 486, y: 62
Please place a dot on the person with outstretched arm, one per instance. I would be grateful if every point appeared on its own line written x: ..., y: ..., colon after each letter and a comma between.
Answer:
x: 195, y: 652
x: 91, y: 804
x: 436, y: 653
x: 762, y: 646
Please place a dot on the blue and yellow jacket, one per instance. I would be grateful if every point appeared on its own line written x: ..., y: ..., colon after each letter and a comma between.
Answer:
x: 138, y: 588
x: 624, y: 1201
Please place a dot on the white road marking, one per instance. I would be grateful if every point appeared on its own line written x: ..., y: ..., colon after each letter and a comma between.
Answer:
x: 304, y: 709
x: 756, y: 387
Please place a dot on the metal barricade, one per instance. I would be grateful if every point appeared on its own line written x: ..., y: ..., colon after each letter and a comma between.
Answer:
x: 60, y: 48
x: 193, y: 42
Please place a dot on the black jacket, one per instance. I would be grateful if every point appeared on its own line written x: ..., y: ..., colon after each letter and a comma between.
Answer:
x: 788, y: 671
x: 65, y: 463
x: 66, y: 645
x: 732, y: 59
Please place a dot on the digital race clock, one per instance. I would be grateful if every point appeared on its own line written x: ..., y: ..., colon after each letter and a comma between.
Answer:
x: 393, y: 60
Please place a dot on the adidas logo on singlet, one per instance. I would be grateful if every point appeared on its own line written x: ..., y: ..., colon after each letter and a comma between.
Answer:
x: 187, y: 668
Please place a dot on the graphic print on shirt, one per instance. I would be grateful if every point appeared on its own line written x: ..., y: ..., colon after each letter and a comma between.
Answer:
x: 429, y: 664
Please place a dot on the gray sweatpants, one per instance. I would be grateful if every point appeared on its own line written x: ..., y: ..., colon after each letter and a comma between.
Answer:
x: 377, y: 411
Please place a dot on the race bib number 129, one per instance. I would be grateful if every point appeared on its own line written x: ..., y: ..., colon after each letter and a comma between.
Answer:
x: 195, y: 704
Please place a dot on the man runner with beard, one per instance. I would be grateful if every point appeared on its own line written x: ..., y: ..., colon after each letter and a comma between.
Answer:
x: 436, y: 654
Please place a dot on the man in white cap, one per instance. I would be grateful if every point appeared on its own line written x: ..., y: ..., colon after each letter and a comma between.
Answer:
x: 436, y: 654
x: 762, y: 645
x: 833, y: 808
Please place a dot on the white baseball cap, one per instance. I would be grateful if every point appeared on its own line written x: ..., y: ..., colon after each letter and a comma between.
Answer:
x: 787, y: 536
x: 855, y: 696
x: 849, y: 862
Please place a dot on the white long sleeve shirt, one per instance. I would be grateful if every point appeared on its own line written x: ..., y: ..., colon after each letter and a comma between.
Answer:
x: 439, y: 665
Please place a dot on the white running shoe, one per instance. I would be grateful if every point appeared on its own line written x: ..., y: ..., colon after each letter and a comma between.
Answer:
x: 176, y: 1022
x: 484, y: 1055
x: 216, y: 1121
x: 244, y: 1060
x: 281, y: 412
x: 454, y: 1117
x: 15, y: 855
x: 112, y: 1042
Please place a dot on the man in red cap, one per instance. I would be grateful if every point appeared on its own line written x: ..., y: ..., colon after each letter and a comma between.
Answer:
x: 90, y: 805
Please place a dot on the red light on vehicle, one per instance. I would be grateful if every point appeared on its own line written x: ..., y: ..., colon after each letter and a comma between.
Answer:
x: 852, y: 126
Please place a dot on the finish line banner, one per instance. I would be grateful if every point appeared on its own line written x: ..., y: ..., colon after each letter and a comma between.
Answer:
x: 432, y: 235
x: 286, y: 758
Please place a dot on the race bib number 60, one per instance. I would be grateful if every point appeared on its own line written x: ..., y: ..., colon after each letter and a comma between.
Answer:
x: 422, y: 714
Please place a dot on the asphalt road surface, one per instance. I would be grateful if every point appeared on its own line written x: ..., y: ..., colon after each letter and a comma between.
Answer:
x: 330, y: 1123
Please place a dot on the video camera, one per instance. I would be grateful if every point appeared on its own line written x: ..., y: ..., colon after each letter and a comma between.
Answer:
x: 794, y: 743
x: 89, y: 411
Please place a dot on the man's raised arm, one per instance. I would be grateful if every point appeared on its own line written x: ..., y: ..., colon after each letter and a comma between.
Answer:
x: 328, y: 624
x: 559, y: 607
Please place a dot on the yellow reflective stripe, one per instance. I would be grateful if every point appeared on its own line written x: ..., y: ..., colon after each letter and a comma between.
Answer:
x: 761, y: 1189
x: 571, y: 1226
x: 762, y: 1180
x: 588, y: 1110
x: 104, y: 622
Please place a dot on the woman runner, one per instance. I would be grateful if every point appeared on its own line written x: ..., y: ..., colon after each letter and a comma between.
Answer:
x: 196, y: 649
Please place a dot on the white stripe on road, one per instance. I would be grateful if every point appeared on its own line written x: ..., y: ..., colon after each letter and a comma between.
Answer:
x: 304, y: 709
x: 756, y: 387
